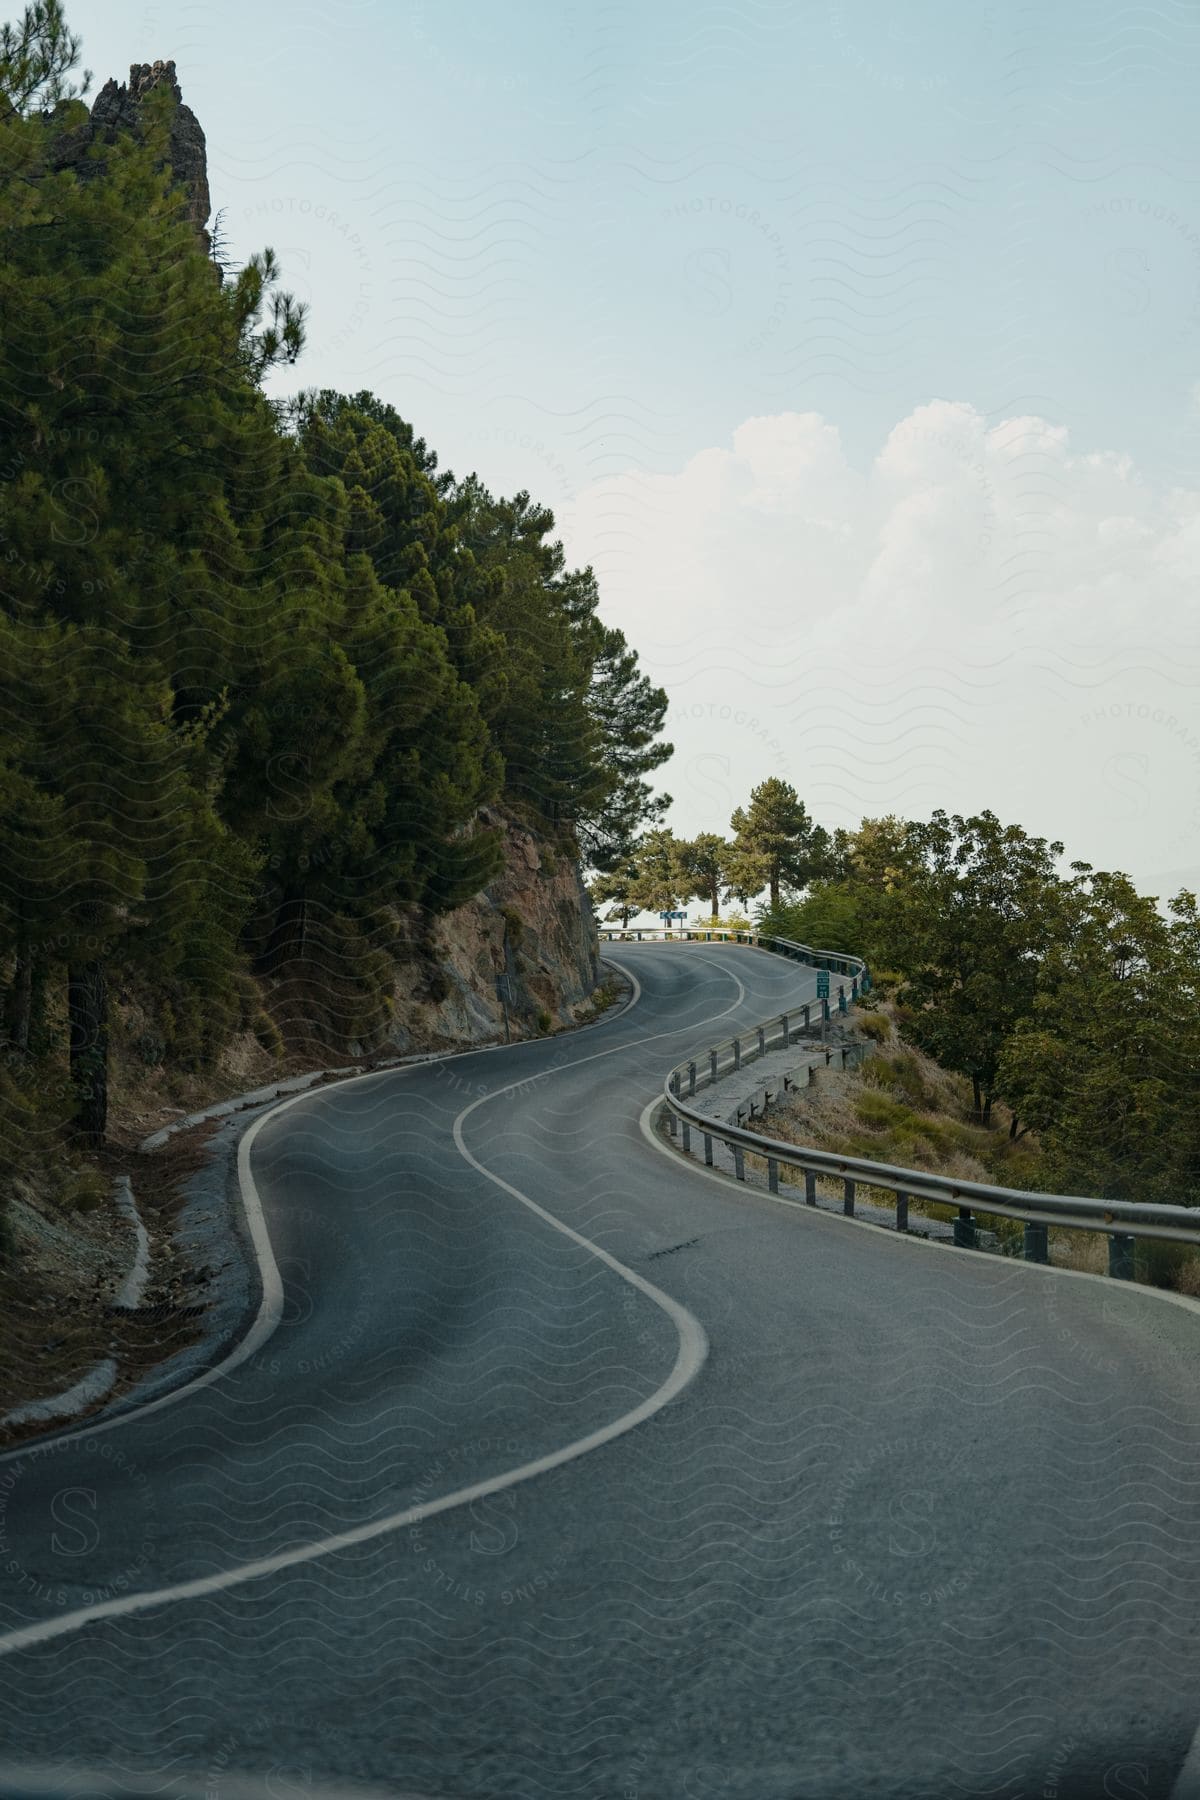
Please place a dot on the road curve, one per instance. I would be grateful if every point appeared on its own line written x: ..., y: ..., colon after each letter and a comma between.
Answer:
x: 760, y: 1504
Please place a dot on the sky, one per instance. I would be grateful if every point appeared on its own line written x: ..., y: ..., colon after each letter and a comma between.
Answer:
x: 855, y: 343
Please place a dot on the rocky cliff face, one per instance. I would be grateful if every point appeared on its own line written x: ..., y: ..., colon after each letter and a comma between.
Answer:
x: 118, y: 107
x: 520, y: 957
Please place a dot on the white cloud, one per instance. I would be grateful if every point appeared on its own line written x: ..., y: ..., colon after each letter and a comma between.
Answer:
x: 983, y: 616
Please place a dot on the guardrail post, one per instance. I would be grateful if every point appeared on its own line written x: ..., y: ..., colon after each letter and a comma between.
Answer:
x: 671, y: 1127
x: 854, y: 988
x: 687, y: 1135
x: 737, y: 1053
x: 844, y: 1049
x: 964, y: 1229
x: 848, y: 1202
x: 762, y: 1040
x: 787, y: 1032
x: 807, y: 1011
x: 1120, y: 1255
x: 901, y: 1212
x: 691, y: 1078
x: 712, y: 1064
x: 708, y: 1149
x: 1037, y: 1242
x: 773, y: 1174
x: 810, y: 1188
x: 739, y: 1164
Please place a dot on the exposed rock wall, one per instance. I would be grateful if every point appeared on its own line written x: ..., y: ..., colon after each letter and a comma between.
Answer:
x: 526, y: 947
x: 118, y: 107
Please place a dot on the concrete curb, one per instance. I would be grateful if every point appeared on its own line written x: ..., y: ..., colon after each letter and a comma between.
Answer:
x: 102, y: 1377
x: 295, y: 1084
x: 129, y: 1294
x: 213, y: 1221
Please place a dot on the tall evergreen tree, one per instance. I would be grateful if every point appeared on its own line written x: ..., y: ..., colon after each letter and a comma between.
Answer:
x: 705, y: 861
x: 776, y: 844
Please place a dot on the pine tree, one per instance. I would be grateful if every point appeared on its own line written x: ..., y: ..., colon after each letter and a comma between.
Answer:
x: 776, y: 844
x: 123, y: 400
x: 705, y: 861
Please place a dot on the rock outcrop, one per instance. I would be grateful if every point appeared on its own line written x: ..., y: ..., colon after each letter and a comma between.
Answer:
x: 516, y: 960
x: 119, y: 107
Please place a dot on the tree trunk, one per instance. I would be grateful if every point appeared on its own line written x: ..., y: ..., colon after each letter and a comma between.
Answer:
x: 978, y: 1091
x: 1012, y: 1126
x: 715, y: 901
x: 18, y: 1002
x: 87, y: 1014
x: 289, y: 934
x: 987, y: 1110
x: 774, y: 890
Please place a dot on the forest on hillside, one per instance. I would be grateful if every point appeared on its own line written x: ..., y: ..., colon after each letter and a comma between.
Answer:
x: 1065, y: 995
x: 263, y: 663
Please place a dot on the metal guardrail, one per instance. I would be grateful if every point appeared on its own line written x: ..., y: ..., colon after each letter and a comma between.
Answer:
x: 854, y: 966
x: 1122, y: 1221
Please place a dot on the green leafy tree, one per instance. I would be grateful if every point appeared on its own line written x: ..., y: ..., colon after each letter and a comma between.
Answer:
x: 659, y: 883
x: 416, y: 647
x: 704, y: 861
x: 830, y: 917
x: 628, y: 712
x: 1105, y: 1068
x: 36, y: 57
x: 265, y: 668
x: 131, y: 520
x: 973, y: 922
x: 615, y: 890
x: 574, y: 719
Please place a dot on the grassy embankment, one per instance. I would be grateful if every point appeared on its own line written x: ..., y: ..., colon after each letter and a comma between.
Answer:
x: 902, y: 1108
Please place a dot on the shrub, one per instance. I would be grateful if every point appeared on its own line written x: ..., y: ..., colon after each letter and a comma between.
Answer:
x: 1165, y: 1265
x: 86, y: 1191
x: 150, y: 1046
x: 544, y: 1021
x: 248, y: 999
x: 514, y: 926
x: 876, y: 1027
x: 883, y: 1112
x: 268, y: 1034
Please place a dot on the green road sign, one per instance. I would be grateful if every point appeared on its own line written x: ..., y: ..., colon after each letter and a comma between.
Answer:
x: 822, y: 984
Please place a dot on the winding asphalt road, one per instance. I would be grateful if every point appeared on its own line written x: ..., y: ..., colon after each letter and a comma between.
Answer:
x: 760, y: 1505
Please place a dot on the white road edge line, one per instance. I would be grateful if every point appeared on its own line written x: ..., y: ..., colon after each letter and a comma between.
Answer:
x: 1187, y: 1781
x: 270, y: 1309
x: 693, y: 1350
x: 836, y: 1221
